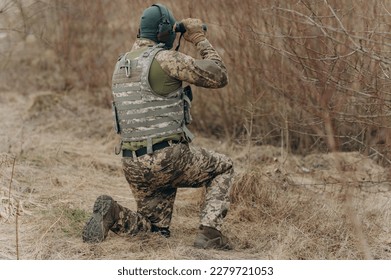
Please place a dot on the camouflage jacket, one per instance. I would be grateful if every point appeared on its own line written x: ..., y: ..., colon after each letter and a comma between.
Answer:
x: 208, y: 72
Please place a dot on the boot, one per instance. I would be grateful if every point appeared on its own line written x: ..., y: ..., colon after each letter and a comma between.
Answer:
x: 164, y: 231
x: 104, y: 216
x: 211, y: 238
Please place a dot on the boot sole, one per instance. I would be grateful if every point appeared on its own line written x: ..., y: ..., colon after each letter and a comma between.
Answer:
x: 94, y: 230
x: 216, y: 243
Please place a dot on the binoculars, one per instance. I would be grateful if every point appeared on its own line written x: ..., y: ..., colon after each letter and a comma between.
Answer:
x: 180, y: 27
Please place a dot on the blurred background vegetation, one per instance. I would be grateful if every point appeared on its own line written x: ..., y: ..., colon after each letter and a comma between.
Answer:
x: 307, y: 76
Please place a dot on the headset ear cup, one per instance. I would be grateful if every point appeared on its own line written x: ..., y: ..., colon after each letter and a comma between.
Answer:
x: 163, y: 36
x: 164, y: 31
x: 165, y: 28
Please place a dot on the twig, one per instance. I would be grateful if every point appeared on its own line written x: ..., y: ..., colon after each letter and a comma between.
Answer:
x: 9, y: 188
x: 59, y: 218
x: 358, y: 231
x: 17, y: 230
x: 357, y: 46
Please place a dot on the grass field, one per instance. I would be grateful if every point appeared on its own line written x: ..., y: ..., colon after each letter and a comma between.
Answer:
x: 305, y: 117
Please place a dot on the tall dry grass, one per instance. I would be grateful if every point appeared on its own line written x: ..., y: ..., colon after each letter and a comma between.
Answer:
x: 305, y: 76
x: 308, y: 75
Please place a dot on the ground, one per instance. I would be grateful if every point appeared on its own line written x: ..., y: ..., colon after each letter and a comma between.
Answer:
x: 57, y: 156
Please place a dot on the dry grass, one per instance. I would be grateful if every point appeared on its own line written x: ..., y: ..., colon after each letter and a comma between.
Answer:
x: 283, y: 206
x: 305, y: 77
x: 313, y: 75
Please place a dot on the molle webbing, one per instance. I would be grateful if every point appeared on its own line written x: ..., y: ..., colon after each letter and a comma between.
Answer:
x: 141, y: 113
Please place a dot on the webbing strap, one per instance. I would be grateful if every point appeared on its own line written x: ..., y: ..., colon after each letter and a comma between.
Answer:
x: 149, y: 146
x: 187, y: 99
x: 188, y: 134
x: 150, y: 104
x: 146, y: 123
x: 125, y: 115
x: 118, y: 89
x: 179, y: 42
x: 156, y: 131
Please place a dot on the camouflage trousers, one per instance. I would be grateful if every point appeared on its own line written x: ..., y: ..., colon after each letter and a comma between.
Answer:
x: 154, y: 180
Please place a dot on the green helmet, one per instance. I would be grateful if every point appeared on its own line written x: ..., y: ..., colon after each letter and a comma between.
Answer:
x: 157, y: 24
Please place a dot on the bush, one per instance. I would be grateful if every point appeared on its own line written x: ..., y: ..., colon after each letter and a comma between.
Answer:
x: 307, y: 75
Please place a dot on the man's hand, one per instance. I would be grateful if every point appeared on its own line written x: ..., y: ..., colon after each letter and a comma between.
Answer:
x: 194, y: 31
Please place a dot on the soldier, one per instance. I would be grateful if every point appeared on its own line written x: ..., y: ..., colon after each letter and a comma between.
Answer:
x: 151, y: 110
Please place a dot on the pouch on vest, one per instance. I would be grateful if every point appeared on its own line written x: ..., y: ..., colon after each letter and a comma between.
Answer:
x: 187, y: 98
x: 115, y: 117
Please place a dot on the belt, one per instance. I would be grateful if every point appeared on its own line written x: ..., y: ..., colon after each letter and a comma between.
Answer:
x: 142, y: 151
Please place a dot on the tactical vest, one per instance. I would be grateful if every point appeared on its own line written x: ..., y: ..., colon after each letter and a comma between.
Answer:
x: 140, y: 113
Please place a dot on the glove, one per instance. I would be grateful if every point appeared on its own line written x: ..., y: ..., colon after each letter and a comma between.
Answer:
x: 194, y: 32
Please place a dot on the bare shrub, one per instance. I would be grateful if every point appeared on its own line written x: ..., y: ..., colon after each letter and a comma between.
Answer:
x: 332, y: 57
x: 307, y: 75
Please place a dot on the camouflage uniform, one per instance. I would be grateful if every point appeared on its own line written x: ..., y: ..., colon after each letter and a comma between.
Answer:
x: 155, y: 178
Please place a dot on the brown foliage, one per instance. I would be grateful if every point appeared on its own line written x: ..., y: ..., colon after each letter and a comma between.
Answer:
x: 312, y: 75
